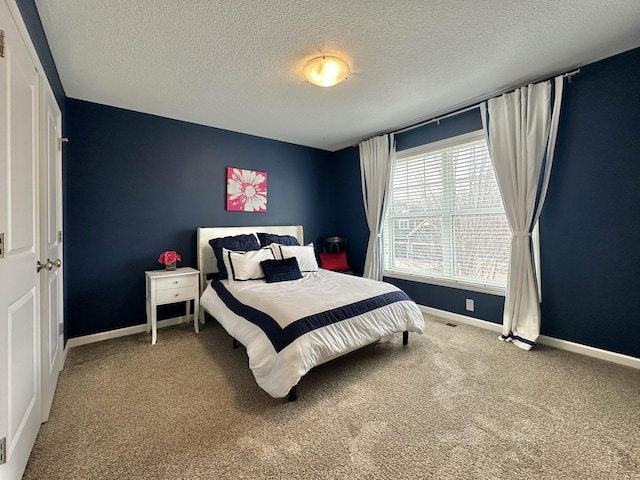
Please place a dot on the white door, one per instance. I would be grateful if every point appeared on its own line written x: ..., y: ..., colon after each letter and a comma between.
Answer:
x: 20, y: 409
x: 51, y: 244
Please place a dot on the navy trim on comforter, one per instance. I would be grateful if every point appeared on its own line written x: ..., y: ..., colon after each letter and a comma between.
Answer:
x: 282, y: 337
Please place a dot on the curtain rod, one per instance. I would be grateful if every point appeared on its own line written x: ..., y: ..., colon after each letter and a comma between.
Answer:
x: 472, y: 107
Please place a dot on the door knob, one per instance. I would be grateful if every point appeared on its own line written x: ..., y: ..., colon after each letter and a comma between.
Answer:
x: 40, y: 266
x: 56, y: 263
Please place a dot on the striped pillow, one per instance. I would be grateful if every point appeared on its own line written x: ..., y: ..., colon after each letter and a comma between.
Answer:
x: 246, y: 265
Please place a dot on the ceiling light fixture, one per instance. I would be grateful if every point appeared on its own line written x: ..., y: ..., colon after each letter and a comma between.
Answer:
x: 326, y: 71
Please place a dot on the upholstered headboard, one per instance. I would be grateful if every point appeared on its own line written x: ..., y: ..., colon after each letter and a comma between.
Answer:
x: 207, y: 261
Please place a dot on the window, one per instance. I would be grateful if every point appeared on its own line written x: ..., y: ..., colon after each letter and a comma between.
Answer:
x: 445, y: 221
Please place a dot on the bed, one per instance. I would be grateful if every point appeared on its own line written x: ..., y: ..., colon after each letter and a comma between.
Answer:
x: 289, y: 327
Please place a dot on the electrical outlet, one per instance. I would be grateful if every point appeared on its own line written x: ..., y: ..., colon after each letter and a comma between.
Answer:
x: 470, y: 305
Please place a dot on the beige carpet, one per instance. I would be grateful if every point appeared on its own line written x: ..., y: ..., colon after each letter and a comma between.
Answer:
x: 455, y: 404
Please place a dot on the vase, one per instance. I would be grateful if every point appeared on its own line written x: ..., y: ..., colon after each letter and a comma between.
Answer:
x: 171, y: 266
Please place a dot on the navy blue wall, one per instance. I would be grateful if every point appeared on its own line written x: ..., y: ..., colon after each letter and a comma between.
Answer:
x: 589, y: 227
x: 137, y: 185
x: 350, y: 216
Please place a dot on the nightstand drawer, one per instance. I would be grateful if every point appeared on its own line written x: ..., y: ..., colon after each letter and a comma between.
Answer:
x: 174, y: 295
x: 175, y: 282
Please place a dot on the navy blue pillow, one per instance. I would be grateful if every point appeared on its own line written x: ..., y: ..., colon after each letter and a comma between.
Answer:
x: 281, y: 270
x: 269, y: 238
x: 237, y: 243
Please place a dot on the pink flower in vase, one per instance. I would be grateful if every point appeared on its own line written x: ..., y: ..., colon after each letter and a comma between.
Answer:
x: 169, y: 257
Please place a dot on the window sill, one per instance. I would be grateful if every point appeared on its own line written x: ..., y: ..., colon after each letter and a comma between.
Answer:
x: 472, y: 287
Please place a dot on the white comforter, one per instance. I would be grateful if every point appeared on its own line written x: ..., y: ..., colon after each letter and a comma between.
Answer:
x: 279, y: 368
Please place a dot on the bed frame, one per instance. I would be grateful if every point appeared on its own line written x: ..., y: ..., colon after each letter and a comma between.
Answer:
x: 207, y: 262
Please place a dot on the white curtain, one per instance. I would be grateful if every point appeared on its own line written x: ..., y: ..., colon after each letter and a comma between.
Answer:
x: 376, y: 159
x: 521, y: 129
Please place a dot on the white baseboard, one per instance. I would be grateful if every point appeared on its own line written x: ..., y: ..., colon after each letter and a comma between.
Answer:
x: 121, y: 332
x: 606, y: 355
x: 461, y: 318
x: 65, y: 353
x: 613, y: 357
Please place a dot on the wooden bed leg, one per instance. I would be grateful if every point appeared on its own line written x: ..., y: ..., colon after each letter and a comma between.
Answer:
x: 235, y: 343
x: 293, y: 394
x: 405, y: 338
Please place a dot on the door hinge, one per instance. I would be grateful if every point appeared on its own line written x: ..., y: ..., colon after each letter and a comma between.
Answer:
x: 61, y: 140
x: 59, y: 236
x: 2, y: 43
x: 3, y: 247
x: 61, y: 328
x: 3, y: 450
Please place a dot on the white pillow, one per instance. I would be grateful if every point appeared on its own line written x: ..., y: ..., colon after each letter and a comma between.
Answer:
x: 246, y: 265
x: 305, y: 255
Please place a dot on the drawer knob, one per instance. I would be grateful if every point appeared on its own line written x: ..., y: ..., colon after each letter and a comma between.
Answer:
x: 177, y: 295
x: 175, y: 281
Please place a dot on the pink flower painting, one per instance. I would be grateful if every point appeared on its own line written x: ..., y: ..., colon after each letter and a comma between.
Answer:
x: 246, y: 190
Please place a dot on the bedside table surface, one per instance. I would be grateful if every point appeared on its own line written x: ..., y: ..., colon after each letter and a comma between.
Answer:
x: 168, y: 273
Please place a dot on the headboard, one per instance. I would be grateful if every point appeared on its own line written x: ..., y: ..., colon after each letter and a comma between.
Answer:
x: 207, y: 261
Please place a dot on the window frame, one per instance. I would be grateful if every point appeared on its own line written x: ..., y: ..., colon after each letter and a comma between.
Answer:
x: 425, y: 149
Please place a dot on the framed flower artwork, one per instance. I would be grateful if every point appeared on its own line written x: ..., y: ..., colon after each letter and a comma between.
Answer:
x: 246, y: 190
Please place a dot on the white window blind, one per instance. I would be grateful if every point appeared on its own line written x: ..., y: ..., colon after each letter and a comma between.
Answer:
x: 445, y: 218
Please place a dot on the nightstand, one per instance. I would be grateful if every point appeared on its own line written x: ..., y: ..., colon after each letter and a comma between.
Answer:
x: 171, y: 286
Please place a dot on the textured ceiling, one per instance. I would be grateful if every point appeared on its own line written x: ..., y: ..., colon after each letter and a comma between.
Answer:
x: 236, y: 64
